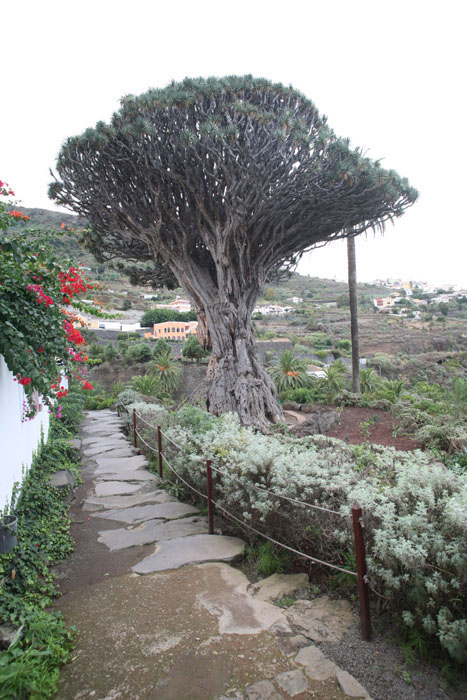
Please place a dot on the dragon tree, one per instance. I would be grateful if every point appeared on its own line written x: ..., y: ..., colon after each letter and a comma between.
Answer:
x: 220, y: 184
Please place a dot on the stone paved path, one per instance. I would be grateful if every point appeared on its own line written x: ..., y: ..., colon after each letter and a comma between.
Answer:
x: 173, y: 620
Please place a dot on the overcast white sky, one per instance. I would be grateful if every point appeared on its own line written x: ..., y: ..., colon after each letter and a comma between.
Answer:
x: 391, y: 76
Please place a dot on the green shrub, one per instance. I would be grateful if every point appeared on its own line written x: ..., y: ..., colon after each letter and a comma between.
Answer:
x: 152, y: 316
x: 300, y: 395
x: 97, y: 402
x: 30, y: 666
x: 192, y: 349
x: 94, y: 361
x: 267, y: 558
x: 129, y: 396
x: 139, y: 352
x: 161, y: 347
x: 344, y: 345
x: 414, y: 512
x: 110, y: 353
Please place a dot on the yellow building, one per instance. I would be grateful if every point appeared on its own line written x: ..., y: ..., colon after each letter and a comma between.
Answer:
x: 173, y: 330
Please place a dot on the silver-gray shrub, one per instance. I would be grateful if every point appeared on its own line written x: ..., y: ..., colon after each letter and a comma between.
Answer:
x: 415, y: 510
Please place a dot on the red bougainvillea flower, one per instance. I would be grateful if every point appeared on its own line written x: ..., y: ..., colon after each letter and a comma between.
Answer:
x: 24, y: 380
x: 42, y: 297
x: 87, y: 385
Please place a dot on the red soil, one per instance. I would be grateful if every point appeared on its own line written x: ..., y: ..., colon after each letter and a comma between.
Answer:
x: 381, y: 432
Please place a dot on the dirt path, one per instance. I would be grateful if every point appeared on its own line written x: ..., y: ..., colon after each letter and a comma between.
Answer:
x: 195, y: 631
x: 200, y: 630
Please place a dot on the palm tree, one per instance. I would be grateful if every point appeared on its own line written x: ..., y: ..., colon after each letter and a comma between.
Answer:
x: 334, y: 381
x: 168, y: 371
x: 368, y: 380
x: 352, y: 268
x: 146, y: 384
x: 290, y: 373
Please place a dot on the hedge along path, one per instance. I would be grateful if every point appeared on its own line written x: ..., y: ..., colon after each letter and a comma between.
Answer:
x: 357, y: 519
x: 181, y: 630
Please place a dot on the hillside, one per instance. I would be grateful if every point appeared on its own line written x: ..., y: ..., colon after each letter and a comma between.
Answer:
x: 311, y: 289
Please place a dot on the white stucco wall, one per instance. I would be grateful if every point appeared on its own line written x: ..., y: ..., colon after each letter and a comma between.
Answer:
x: 18, y: 440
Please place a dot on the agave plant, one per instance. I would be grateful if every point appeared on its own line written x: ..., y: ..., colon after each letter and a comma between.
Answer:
x: 290, y: 373
x: 167, y: 371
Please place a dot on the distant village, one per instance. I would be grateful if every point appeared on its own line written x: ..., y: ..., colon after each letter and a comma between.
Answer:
x: 405, y: 299
x: 419, y: 294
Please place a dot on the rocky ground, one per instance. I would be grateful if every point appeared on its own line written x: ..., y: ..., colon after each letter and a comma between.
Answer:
x: 161, y: 612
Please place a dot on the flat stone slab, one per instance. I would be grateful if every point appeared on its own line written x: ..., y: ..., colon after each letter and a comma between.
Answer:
x: 194, y: 549
x: 279, y: 585
x: 90, y: 440
x: 7, y: 634
x: 62, y: 479
x: 322, y: 619
x: 76, y: 443
x: 102, y: 427
x: 317, y: 666
x: 136, y: 475
x: 262, y: 690
x: 226, y: 596
x: 292, y: 682
x: 115, y: 488
x: 350, y: 686
x: 153, y: 531
x: 123, y: 452
x: 110, y: 449
x: 105, y: 503
x: 117, y: 464
x: 167, y: 510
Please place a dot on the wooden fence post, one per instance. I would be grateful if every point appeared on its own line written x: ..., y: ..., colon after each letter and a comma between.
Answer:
x: 135, y: 440
x: 210, y: 503
x: 159, y: 442
x: 361, y: 572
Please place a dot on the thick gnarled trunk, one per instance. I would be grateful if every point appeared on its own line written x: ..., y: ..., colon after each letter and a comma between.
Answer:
x: 239, y: 381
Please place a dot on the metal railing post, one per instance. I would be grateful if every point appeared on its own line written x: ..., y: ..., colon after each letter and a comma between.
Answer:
x: 210, y: 503
x: 159, y: 442
x: 361, y: 572
x: 135, y: 441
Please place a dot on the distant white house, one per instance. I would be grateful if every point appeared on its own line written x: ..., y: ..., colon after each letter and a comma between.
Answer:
x: 180, y: 305
x: 297, y: 300
x: 101, y: 324
x: 384, y: 302
x: 272, y: 310
x: 314, y: 371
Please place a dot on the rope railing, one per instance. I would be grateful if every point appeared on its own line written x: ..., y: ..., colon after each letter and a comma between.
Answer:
x: 357, y: 519
x: 281, y: 495
x: 281, y: 544
x: 203, y: 495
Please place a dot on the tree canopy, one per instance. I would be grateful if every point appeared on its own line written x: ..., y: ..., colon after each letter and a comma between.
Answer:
x: 219, y: 183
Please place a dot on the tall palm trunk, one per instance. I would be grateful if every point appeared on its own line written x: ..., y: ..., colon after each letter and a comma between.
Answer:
x: 352, y: 267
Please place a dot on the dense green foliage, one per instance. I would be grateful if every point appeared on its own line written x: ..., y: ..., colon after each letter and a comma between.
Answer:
x: 30, y: 667
x: 414, y: 509
x: 37, y: 337
x: 192, y: 349
x: 152, y: 316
